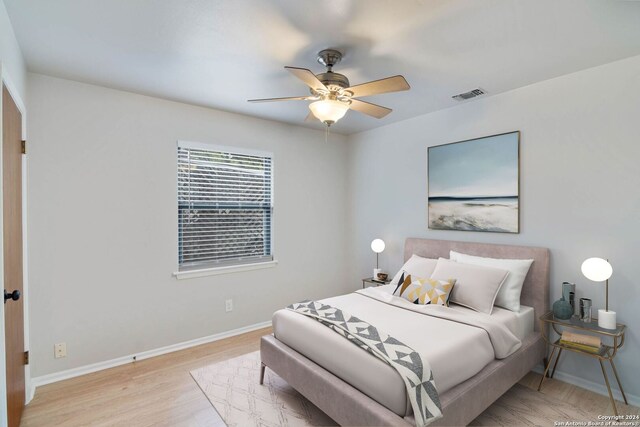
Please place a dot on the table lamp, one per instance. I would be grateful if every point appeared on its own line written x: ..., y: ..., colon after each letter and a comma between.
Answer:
x: 599, y: 270
x: 377, y: 246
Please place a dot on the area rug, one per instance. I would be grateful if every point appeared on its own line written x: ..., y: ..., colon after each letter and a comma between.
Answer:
x: 232, y: 388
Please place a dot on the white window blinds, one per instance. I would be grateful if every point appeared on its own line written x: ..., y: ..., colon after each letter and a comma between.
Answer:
x: 225, y: 206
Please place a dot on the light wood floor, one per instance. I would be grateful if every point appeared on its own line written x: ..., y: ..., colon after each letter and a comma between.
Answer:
x: 152, y: 392
x: 579, y: 397
x: 160, y: 391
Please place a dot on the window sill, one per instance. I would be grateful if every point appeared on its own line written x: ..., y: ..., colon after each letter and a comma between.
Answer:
x: 192, y: 274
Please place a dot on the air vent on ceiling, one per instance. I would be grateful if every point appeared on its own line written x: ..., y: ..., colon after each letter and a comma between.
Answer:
x: 469, y: 95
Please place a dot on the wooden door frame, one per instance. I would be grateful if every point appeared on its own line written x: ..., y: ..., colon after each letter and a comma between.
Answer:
x: 5, y: 79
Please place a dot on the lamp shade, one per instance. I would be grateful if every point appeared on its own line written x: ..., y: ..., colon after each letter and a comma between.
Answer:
x: 597, y: 269
x: 329, y: 110
x: 377, y: 246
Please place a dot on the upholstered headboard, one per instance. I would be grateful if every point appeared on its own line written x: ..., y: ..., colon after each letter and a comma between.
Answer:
x: 535, y: 291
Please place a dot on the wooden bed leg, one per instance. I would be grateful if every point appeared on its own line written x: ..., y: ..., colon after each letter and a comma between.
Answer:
x: 262, y: 369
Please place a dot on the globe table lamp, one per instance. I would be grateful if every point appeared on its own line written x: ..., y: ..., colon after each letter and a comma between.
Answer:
x: 599, y: 270
x: 377, y: 246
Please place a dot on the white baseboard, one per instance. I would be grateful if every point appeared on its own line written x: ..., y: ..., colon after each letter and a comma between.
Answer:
x: 28, y: 389
x: 99, y: 366
x: 593, y: 386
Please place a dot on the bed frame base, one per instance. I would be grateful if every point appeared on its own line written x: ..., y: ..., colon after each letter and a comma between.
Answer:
x: 348, y: 406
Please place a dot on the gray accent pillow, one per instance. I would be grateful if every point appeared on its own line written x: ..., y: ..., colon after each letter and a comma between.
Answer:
x: 476, y: 286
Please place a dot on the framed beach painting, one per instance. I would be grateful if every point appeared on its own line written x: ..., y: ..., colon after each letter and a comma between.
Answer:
x: 474, y: 185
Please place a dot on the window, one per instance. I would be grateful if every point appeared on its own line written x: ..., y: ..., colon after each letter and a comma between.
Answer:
x: 225, y: 206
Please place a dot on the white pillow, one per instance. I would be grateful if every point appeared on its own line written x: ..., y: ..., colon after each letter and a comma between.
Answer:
x: 509, y: 294
x: 475, y: 287
x: 416, y: 266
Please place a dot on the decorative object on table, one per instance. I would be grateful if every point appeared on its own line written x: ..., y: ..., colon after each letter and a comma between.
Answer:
x: 377, y: 246
x: 586, y: 340
x: 587, y: 348
x: 473, y: 185
x: 585, y: 310
x: 382, y: 277
x: 599, y: 270
x: 569, y: 294
x: 562, y: 309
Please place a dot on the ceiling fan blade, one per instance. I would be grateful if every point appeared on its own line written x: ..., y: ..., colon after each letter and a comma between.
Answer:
x: 291, y: 98
x: 369, y: 109
x: 390, y: 84
x: 307, y: 77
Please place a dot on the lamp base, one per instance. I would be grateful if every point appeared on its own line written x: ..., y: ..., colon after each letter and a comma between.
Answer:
x: 375, y: 273
x: 607, y: 319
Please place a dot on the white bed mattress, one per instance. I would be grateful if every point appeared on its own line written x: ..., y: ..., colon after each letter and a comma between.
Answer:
x: 455, y: 351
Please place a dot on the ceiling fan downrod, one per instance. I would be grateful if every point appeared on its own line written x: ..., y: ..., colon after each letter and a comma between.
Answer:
x: 329, y: 58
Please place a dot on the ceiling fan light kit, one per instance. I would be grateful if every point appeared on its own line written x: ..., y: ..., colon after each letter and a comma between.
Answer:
x: 333, y: 95
x: 329, y: 111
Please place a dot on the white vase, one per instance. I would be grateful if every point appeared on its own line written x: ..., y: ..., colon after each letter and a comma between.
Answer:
x: 607, y: 319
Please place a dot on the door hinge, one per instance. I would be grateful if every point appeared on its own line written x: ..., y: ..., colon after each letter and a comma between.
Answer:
x: 24, y: 147
x: 26, y: 357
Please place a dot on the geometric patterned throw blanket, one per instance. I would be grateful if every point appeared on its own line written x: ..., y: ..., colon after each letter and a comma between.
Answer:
x: 414, y: 370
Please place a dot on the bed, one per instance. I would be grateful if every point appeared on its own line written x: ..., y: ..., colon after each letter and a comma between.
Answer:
x: 337, y: 376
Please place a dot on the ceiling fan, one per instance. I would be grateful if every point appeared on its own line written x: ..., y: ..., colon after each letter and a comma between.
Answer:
x: 332, y: 95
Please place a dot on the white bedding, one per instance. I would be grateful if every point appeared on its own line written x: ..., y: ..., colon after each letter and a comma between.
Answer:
x: 456, y: 351
x: 520, y: 323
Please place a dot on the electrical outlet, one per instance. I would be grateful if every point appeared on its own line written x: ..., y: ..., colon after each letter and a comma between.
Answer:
x: 228, y: 305
x: 60, y: 350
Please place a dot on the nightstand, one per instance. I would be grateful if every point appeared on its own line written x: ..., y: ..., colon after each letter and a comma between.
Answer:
x: 607, y: 351
x: 374, y: 282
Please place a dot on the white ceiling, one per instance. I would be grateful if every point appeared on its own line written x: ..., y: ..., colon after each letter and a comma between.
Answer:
x: 219, y: 53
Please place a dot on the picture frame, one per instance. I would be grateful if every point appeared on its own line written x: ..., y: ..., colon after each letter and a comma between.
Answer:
x: 474, y: 185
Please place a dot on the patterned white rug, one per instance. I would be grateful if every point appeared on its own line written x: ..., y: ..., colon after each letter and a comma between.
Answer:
x: 232, y: 388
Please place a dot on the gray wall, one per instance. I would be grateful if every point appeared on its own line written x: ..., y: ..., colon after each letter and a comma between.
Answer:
x: 102, y: 223
x: 10, y: 54
x: 579, y: 187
